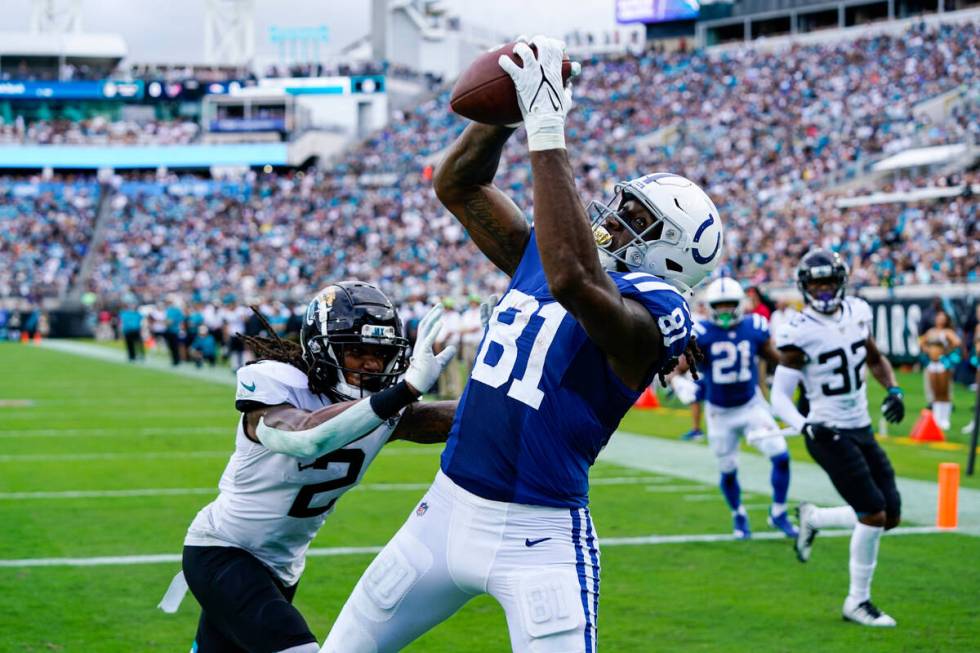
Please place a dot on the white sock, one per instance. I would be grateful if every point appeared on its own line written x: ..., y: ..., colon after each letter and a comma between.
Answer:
x: 864, y: 557
x: 741, y: 511
x: 777, y: 509
x: 839, y: 517
x: 942, y: 411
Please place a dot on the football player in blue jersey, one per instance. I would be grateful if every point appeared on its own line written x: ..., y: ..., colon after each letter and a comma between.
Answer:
x: 595, y: 309
x: 732, y: 347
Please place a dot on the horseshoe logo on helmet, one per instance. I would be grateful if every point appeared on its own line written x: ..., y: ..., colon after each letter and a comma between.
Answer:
x: 696, y: 251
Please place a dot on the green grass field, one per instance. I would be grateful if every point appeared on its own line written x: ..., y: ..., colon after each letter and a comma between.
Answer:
x: 97, y: 427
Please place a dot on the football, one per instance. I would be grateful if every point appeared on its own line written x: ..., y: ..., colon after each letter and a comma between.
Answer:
x: 485, y: 93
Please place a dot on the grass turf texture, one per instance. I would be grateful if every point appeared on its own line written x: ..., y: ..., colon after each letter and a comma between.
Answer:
x: 174, y: 432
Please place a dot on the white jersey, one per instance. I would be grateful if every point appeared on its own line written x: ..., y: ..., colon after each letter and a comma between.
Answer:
x: 834, y: 373
x: 271, y: 504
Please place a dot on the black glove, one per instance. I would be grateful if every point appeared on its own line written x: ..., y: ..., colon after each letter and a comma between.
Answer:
x: 893, y: 406
x: 820, y: 432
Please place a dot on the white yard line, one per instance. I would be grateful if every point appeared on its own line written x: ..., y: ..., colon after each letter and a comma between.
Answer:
x: 808, y: 482
x: 371, y: 487
x: 168, y: 455
x: 645, y: 540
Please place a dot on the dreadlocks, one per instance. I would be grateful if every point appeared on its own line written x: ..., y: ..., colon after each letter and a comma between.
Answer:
x: 275, y: 348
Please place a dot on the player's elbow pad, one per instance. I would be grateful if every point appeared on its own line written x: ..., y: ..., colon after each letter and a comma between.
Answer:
x: 784, y: 383
x: 336, y: 433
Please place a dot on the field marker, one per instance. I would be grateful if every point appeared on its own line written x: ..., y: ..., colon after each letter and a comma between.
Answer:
x: 644, y: 540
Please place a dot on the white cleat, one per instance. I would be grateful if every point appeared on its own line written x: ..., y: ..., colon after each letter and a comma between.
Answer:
x: 804, y: 538
x: 866, y: 614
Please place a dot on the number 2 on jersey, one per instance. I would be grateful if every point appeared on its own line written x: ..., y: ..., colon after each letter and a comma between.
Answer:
x: 510, y: 319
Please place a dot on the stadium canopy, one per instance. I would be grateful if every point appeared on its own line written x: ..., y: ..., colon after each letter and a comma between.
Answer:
x: 70, y: 46
x: 922, y: 156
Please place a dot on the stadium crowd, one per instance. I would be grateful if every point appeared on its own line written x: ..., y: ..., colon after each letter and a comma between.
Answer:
x: 98, y: 131
x: 43, y: 238
x: 763, y: 132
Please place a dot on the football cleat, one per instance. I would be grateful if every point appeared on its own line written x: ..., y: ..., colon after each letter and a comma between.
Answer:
x: 783, y: 523
x: 806, y: 532
x: 741, y: 529
x: 693, y: 435
x: 866, y: 614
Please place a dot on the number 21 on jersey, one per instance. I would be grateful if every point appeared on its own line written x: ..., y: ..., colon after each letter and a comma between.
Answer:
x: 511, y: 317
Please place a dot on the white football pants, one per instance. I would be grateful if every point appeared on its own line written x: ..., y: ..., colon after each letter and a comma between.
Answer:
x: 540, y: 563
x: 727, y: 425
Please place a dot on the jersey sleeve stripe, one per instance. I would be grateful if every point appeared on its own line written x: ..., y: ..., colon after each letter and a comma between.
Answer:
x: 638, y: 275
x: 650, y: 286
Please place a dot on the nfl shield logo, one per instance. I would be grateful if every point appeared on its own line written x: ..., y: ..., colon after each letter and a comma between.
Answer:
x: 421, y: 509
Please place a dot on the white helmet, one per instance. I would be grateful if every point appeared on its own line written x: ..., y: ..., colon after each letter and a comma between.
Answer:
x: 724, y: 291
x: 685, y: 237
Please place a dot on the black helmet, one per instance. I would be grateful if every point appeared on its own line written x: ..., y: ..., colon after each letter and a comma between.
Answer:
x: 351, y: 313
x: 822, y: 264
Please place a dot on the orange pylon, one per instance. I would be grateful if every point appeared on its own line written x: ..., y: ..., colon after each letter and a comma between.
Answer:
x: 37, y: 337
x: 926, y: 429
x: 647, y: 400
x: 949, y: 487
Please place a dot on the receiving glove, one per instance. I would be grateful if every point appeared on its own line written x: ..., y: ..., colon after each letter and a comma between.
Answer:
x: 486, y: 310
x: 893, y: 406
x: 543, y: 98
x: 425, y: 367
x: 684, y: 389
x: 820, y: 432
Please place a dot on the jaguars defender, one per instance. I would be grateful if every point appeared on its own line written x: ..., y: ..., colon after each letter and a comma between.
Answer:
x: 826, y: 347
x: 580, y: 332
x: 314, y: 416
x: 733, y: 345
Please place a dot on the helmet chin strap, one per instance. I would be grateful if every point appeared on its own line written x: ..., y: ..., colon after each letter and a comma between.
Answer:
x: 607, y: 260
x: 349, y: 391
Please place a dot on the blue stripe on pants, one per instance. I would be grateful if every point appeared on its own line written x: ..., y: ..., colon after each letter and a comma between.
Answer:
x: 594, y: 555
x: 580, y: 568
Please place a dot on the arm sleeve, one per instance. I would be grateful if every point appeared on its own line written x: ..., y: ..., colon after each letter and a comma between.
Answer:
x: 784, y: 384
x: 336, y: 433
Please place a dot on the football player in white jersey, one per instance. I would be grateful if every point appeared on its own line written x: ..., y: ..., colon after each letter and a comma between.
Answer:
x: 826, y: 347
x: 314, y: 416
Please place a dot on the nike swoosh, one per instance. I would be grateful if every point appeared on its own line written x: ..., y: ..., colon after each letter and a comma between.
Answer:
x: 529, y: 543
x: 250, y: 388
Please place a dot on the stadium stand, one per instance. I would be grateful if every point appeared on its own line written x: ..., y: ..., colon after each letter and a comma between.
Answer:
x: 774, y: 137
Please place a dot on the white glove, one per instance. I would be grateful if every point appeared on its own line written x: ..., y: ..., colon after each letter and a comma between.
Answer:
x: 684, y: 389
x: 486, y: 310
x: 425, y: 367
x: 543, y: 98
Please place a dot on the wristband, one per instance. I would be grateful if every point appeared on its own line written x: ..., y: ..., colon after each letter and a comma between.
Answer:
x: 896, y: 391
x: 390, y: 401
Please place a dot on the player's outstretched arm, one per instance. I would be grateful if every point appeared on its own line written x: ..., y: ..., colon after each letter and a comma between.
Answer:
x: 463, y: 182
x: 426, y: 422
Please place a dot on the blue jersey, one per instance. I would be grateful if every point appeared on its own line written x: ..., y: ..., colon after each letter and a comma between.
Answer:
x: 732, y: 359
x: 542, y: 401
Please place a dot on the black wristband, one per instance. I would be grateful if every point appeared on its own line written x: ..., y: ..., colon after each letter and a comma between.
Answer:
x: 391, y: 400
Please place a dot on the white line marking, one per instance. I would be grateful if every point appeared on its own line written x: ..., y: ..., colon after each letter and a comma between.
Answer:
x: 646, y: 540
x: 163, y: 492
x: 121, y: 431
x: 168, y: 455
x: 134, y: 455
